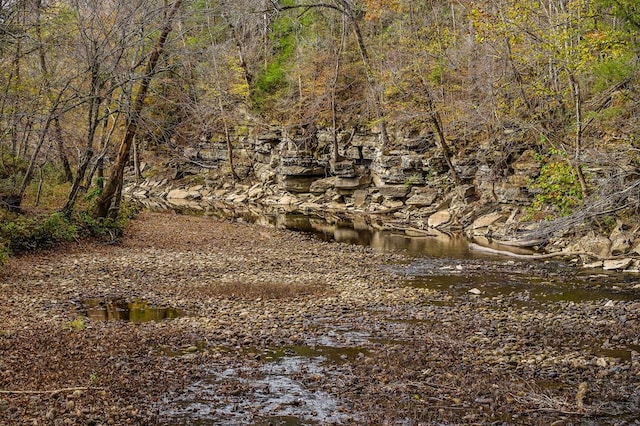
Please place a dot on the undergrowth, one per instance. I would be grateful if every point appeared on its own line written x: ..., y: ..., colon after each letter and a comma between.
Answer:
x: 20, y: 233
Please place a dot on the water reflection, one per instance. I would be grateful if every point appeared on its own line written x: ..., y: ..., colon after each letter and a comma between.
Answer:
x: 329, y: 227
x: 444, y: 261
x: 529, y: 283
x: 432, y: 243
x: 136, y: 311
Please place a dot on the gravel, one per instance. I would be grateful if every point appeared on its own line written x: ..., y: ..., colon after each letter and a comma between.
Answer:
x: 278, y: 326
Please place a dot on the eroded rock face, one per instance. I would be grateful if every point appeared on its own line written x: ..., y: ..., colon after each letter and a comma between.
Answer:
x: 407, y: 179
x: 320, y: 186
x: 394, y: 191
x: 297, y: 183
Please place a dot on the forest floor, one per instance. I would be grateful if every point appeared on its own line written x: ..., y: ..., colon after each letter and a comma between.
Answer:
x: 277, y: 327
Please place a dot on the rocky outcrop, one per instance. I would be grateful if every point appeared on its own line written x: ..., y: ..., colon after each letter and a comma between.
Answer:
x: 405, y: 184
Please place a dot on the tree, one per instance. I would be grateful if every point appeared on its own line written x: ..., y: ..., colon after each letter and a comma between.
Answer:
x: 109, y: 199
x: 351, y: 11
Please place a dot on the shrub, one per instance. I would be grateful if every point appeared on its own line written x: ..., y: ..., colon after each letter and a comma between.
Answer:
x: 19, y: 233
x: 556, y: 186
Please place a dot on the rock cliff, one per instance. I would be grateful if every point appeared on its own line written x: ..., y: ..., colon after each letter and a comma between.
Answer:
x: 404, y: 185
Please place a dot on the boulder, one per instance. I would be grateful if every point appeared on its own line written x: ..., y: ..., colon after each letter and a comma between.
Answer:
x: 297, y: 183
x: 487, y: 220
x: 616, y: 264
x: 301, y: 170
x: 286, y: 200
x: 392, y: 204
x: 439, y: 218
x: 620, y: 244
x: 264, y: 172
x: 321, y: 186
x: 423, y: 198
x: 141, y: 193
x: 347, y: 183
x: 178, y: 194
x: 595, y: 244
x: 620, y: 240
x: 359, y: 197
x: 377, y: 198
x: 394, y: 191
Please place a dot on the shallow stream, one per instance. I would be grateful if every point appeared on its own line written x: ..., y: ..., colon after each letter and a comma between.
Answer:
x: 283, y: 388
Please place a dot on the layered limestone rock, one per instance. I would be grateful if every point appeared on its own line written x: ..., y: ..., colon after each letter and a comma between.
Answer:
x: 407, y: 179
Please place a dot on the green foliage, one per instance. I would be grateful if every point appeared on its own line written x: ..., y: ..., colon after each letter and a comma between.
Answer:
x: 105, y: 227
x: 77, y: 324
x: 284, y: 34
x: 19, y: 233
x: 12, y: 169
x: 628, y: 10
x: 414, y: 179
x: 612, y: 71
x: 273, y: 77
x: 557, y: 186
x: 96, y: 190
x: 23, y: 233
x: 5, y: 252
x: 94, y: 378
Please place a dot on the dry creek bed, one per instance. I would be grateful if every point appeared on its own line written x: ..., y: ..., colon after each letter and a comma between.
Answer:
x: 278, y: 328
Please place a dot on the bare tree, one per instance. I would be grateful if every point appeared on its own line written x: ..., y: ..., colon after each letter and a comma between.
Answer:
x: 349, y: 9
x: 111, y: 194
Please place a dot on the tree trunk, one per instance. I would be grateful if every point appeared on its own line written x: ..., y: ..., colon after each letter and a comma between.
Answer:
x: 436, y: 121
x: 371, y: 80
x: 136, y: 160
x: 28, y: 175
x: 577, y: 167
x: 334, y: 84
x: 346, y: 8
x: 234, y: 175
x: 112, y: 190
x: 64, y: 160
x: 75, y: 186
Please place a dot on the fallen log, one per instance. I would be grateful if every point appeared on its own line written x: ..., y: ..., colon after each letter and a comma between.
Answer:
x: 520, y: 243
x: 478, y: 247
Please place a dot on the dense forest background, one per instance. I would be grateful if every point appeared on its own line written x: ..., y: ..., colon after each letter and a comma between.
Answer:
x: 85, y: 82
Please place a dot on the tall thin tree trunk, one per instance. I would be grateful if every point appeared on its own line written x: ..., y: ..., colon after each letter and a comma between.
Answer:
x: 28, y: 175
x: 371, y: 80
x: 136, y: 160
x: 112, y: 190
x: 334, y: 83
x: 576, y: 164
x: 64, y: 160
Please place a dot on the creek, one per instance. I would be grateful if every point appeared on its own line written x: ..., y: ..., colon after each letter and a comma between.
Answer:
x: 281, y: 386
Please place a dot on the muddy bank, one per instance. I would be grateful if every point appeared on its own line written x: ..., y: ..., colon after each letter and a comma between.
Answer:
x: 283, y: 328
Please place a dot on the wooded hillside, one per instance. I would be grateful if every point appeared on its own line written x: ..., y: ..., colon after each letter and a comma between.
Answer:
x: 84, y: 82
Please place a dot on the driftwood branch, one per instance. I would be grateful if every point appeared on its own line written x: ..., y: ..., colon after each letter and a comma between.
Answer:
x: 477, y: 247
x: 35, y: 392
